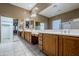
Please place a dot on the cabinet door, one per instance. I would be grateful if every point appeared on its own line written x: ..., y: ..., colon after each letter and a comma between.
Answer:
x: 30, y: 37
x: 60, y: 43
x: 25, y: 35
x: 70, y: 46
x: 40, y: 37
x: 50, y: 43
x: 22, y: 35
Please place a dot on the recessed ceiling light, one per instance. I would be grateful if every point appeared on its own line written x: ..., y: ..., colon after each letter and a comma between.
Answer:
x: 76, y: 20
x: 36, y: 8
x: 33, y: 15
x: 27, y: 19
x: 59, y: 10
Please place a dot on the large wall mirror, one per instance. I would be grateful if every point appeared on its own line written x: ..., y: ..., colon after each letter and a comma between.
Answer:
x: 71, y: 24
x: 39, y: 25
x: 27, y: 24
x: 56, y: 24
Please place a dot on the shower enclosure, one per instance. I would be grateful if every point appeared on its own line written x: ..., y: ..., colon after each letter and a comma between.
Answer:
x: 6, y: 29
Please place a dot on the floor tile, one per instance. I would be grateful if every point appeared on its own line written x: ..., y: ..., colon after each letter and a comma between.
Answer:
x: 19, y: 47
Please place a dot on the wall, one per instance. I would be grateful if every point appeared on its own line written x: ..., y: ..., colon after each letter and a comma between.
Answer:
x: 40, y: 19
x: 43, y: 19
x: 64, y: 17
x: 0, y: 29
x: 9, y: 10
x: 13, y: 11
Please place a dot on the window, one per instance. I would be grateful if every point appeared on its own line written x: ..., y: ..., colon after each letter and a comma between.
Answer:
x: 56, y: 24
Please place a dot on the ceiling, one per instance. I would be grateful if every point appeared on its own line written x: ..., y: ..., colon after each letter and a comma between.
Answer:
x: 58, y: 8
x: 27, y: 6
x: 41, y: 6
x: 49, y: 9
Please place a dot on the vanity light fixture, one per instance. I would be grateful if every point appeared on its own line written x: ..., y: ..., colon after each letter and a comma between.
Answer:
x: 34, y: 12
x: 27, y: 19
x: 33, y: 15
x: 36, y: 8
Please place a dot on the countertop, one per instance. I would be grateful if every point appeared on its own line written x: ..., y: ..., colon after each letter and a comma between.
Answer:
x: 70, y: 32
x: 63, y: 32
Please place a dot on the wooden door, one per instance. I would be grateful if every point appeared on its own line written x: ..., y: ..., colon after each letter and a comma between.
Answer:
x: 50, y: 44
x: 70, y: 46
x: 60, y: 43
x: 25, y: 35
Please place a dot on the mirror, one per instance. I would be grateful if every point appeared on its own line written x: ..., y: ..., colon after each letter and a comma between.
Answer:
x: 27, y: 24
x: 39, y: 26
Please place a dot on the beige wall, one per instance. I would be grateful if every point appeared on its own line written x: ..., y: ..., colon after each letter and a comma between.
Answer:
x: 64, y: 17
x: 9, y: 10
x: 18, y: 13
x: 43, y: 19
x: 13, y: 11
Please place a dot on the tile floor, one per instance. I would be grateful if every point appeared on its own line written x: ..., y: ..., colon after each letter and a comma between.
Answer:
x: 19, y: 47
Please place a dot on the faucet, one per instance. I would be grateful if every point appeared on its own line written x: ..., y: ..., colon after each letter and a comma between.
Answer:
x: 67, y: 31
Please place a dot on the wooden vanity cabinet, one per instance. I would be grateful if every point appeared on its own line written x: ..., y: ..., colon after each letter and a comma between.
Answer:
x: 22, y: 34
x: 50, y: 44
x: 19, y: 33
x: 69, y: 46
x: 28, y: 36
x: 34, y: 39
x: 59, y: 45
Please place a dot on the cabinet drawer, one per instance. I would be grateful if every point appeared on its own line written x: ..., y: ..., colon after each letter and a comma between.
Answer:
x: 40, y: 38
x: 40, y: 42
x: 40, y: 46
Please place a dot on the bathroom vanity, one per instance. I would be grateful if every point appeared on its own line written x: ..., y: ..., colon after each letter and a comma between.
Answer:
x: 59, y: 44
x: 54, y: 43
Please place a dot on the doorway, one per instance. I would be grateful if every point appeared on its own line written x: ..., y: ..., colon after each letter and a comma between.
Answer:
x: 15, y: 26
